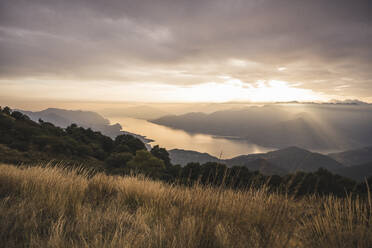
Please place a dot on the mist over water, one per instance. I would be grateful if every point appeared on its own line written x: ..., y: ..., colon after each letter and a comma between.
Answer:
x: 174, y: 138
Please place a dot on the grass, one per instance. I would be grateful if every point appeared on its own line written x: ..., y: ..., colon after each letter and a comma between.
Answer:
x: 56, y: 207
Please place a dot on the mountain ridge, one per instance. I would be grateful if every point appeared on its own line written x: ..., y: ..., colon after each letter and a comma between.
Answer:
x: 282, y: 161
x: 314, y: 127
x: 87, y: 119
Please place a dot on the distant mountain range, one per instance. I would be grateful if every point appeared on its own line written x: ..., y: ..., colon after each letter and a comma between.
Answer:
x: 311, y: 126
x: 87, y: 119
x: 356, y: 172
x: 281, y: 162
x: 183, y: 157
x: 353, y: 157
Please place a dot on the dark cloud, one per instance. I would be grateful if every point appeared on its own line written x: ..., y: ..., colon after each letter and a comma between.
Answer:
x: 119, y: 40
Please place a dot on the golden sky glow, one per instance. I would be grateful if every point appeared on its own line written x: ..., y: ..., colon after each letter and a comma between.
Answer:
x: 186, y: 51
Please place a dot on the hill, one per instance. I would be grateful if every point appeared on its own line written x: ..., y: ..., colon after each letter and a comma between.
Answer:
x: 260, y: 164
x: 311, y: 126
x: 54, y: 207
x: 353, y: 157
x: 25, y: 141
x: 233, y: 122
x: 87, y: 119
x: 297, y: 159
x: 64, y: 118
x: 183, y: 157
x: 302, y: 131
x: 279, y: 162
x: 356, y: 172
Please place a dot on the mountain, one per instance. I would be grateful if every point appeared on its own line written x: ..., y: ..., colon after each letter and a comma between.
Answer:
x: 87, y: 119
x: 356, y: 172
x: 353, y: 157
x: 183, y: 157
x: 254, y: 163
x: 303, y: 131
x: 63, y: 117
x: 297, y: 159
x: 290, y: 159
x: 280, y: 162
x: 259, y: 164
x: 311, y: 126
x: 233, y: 122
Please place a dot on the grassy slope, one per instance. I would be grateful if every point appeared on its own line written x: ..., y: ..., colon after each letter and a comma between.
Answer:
x: 52, y: 207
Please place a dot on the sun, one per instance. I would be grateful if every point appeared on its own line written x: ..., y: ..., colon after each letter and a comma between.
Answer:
x: 281, y: 91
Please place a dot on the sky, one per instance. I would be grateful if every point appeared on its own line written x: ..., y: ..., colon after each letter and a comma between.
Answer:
x: 185, y: 51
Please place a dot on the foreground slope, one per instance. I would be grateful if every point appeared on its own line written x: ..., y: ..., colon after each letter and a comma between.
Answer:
x: 51, y: 207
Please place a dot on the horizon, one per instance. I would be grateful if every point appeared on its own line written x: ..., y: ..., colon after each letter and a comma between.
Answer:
x: 99, y: 106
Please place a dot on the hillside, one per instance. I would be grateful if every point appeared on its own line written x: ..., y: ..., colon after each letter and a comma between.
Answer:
x: 54, y: 207
x: 183, y: 157
x: 260, y: 164
x: 356, y: 172
x: 353, y: 157
x: 297, y: 159
x: 25, y: 141
x: 279, y: 162
x: 232, y: 122
x: 301, y: 131
x: 311, y: 126
x: 64, y: 118
x: 87, y: 119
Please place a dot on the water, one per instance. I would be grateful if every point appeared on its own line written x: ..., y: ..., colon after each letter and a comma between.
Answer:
x: 173, y: 138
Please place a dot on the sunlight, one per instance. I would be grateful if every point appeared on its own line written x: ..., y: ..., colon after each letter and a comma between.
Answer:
x: 281, y: 91
x: 236, y: 90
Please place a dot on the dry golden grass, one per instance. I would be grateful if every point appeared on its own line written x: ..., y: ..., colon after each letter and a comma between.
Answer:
x: 54, y: 207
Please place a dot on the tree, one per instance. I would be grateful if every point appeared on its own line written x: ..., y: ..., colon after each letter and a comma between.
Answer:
x: 146, y: 163
x: 128, y: 143
x: 7, y: 110
x: 19, y: 116
x: 119, y: 160
x: 162, y: 154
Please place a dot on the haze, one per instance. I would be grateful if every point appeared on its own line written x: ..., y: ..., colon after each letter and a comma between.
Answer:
x: 184, y: 51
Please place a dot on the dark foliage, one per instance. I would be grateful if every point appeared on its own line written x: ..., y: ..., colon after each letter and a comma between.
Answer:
x: 23, y: 141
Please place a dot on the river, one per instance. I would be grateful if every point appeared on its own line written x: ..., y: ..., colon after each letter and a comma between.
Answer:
x: 173, y: 138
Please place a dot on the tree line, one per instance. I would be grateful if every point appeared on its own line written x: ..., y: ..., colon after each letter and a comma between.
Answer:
x: 23, y: 141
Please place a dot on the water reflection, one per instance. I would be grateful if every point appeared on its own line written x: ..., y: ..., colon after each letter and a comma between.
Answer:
x: 172, y: 138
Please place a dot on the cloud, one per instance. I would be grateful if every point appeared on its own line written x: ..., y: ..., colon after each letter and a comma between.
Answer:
x: 190, y: 42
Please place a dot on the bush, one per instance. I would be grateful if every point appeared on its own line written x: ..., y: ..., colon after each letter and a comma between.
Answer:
x: 119, y: 160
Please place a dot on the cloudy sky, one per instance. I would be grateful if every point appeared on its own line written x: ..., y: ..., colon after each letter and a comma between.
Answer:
x: 190, y: 50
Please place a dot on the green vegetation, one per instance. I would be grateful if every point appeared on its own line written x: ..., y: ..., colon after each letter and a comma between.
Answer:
x: 26, y: 142
x: 55, y: 207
